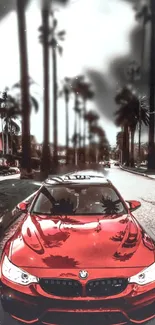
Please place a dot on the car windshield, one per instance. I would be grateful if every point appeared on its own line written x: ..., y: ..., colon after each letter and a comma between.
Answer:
x: 76, y: 200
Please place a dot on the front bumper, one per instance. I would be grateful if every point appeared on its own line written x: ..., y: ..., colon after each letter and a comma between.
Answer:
x: 30, y: 310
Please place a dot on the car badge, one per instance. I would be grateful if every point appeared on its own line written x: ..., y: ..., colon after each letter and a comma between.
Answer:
x: 83, y: 274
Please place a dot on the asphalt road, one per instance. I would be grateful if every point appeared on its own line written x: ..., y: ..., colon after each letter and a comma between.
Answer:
x: 131, y: 187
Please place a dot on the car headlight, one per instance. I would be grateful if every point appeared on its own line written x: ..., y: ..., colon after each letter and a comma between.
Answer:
x: 144, y: 277
x: 15, y: 274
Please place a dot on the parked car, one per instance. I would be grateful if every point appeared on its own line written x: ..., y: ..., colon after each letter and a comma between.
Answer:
x: 14, y: 170
x: 117, y: 163
x: 80, y: 254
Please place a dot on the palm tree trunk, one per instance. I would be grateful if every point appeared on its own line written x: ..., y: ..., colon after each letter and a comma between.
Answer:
x: 3, y: 144
x: 132, y: 147
x: 139, y: 141
x: 143, y: 45
x: 151, y: 147
x: 80, y: 129
x: 90, y: 135
x: 7, y: 143
x: 125, y: 157
x: 75, y: 132
x: 67, y: 128
x: 26, y: 141
x: 84, y: 130
x: 79, y: 116
x: 11, y: 138
x: 55, y: 128
x: 45, y: 161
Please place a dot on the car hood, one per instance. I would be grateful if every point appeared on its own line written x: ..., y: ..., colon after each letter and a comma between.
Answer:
x: 81, y: 242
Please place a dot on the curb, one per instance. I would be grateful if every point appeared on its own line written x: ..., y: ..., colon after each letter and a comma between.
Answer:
x: 137, y: 173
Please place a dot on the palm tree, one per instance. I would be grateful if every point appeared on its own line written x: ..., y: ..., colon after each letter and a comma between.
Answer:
x: 17, y: 98
x: 144, y: 16
x: 147, y: 14
x: 44, y: 39
x: 128, y: 115
x: 83, y: 89
x: 26, y: 169
x: 91, y: 117
x: 124, y: 96
x: 151, y: 148
x: 2, y: 111
x: 9, y: 109
x: 86, y: 94
x: 55, y: 37
x: 10, y: 128
x: 79, y: 111
x: 76, y: 135
x: 12, y: 107
x: 66, y: 90
x: 103, y: 144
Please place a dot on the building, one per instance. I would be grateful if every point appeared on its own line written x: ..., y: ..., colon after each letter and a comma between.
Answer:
x: 15, y: 143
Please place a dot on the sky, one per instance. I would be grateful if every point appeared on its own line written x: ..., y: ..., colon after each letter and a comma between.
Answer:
x: 94, y: 38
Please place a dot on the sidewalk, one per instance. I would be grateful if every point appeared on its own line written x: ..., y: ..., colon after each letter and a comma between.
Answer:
x: 140, y: 171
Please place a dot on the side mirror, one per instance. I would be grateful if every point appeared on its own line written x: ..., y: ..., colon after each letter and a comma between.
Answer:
x: 23, y: 206
x: 133, y: 205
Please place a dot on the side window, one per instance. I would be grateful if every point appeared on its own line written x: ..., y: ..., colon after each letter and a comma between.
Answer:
x: 42, y: 205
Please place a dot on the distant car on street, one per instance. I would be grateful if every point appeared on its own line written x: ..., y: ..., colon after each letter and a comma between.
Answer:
x: 79, y: 256
x: 6, y: 170
x: 107, y: 164
x: 14, y: 170
x: 117, y: 163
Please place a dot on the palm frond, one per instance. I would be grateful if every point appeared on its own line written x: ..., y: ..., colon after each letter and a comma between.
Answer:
x: 18, y: 84
x: 55, y: 23
x: 14, y: 126
x: 40, y: 39
x: 34, y: 103
x: 53, y: 43
x: 60, y: 50
x: 61, y: 33
x: 40, y: 29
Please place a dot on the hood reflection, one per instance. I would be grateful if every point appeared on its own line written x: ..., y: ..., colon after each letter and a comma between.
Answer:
x: 80, y: 241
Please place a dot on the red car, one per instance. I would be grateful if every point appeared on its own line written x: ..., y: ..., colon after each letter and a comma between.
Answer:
x: 79, y: 255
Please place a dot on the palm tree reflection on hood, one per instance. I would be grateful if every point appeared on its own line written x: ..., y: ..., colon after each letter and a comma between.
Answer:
x: 51, y: 240
x: 60, y: 262
x: 119, y: 236
x: 129, y: 243
x: 122, y: 257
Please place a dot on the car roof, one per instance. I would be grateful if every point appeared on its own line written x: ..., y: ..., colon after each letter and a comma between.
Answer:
x: 78, y: 177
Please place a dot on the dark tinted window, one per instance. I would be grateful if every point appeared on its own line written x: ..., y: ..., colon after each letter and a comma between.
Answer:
x: 76, y: 200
